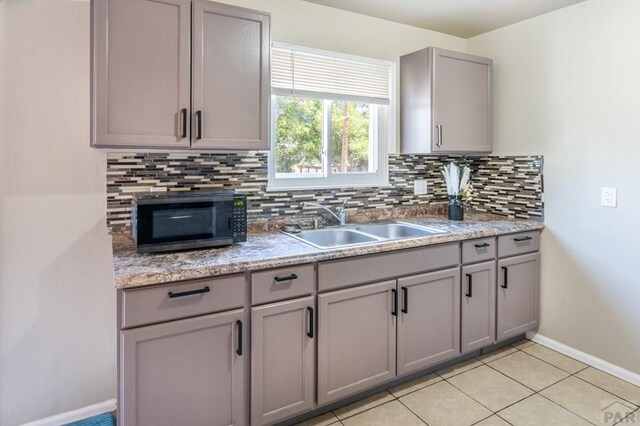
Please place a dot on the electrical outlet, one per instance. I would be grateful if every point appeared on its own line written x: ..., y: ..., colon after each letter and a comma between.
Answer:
x: 420, y: 187
x: 609, y: 197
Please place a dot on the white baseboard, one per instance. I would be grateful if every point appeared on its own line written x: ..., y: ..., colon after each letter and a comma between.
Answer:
x: 76, y: 415
x: 588, y: 359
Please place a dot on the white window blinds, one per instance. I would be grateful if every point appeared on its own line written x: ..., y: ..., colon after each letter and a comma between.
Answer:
x: 304, y: 72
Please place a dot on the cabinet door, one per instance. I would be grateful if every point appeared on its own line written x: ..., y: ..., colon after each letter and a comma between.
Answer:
x: 356, y: 339
x: 462, y: 102
x: 282, y: 360
x: 230, y: 77
x: 188, y: 372
x: 518, y: 294
x: 140, y: 73
x: 429, y: 322
x: 478, y: 324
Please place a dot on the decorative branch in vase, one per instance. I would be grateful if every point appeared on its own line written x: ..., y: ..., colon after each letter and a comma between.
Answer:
x: 458, y: 180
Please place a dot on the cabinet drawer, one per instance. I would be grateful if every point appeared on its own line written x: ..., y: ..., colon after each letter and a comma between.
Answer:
x: 478, y: 250
x: 188, y: 299
x: 280, y: 284
x: 344, y: 273
x: 515, y: 244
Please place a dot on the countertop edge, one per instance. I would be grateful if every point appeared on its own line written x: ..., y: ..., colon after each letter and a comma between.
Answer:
x: 143, y: 280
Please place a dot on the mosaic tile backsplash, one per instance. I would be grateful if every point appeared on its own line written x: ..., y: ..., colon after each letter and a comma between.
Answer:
x: 508, y: 186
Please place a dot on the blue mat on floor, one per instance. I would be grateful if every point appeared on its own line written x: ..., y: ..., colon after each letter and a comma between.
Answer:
x: 105, y: 419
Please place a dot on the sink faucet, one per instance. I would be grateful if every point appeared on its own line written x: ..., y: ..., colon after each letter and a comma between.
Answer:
x: 341, y: 216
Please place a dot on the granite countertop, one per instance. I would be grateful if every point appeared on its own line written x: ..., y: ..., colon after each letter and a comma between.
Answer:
x: 274, y: 249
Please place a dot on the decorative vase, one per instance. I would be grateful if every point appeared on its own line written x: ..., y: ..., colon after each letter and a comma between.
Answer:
x: 456, y: 210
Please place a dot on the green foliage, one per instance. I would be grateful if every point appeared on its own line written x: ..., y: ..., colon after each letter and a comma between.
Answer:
x: 298, y: 134
x: 358, y: 125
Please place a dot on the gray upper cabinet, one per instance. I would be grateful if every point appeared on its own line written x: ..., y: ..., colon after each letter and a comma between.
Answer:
x: 230, y: 77
x: 282, y: 360
x: 478, y: 312
x: 186, y: 372
x: 446, y: 102
x: 150, y: 89
x: 518, y: 295
x: 141, y: 73
x: 429, y: 319
x: 356, y: 340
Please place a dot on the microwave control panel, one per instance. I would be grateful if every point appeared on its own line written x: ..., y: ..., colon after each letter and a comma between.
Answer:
x: 239, y: 219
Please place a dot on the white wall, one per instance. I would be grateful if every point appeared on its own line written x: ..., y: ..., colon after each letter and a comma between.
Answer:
x: 567, y: 85
x: 57, y: 302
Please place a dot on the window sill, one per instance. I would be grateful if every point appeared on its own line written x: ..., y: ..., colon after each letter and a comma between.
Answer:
x: 271, y: 188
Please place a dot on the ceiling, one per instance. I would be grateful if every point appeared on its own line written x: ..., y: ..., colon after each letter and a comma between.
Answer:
x: 462, y: 18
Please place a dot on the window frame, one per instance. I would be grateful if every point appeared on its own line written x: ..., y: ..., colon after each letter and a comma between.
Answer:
x: 382, y: 137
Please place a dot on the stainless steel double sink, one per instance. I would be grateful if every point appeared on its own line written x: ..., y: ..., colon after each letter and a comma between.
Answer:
x: 353, y: 235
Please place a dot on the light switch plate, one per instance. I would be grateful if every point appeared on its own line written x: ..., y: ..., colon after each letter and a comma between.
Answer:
x: 420, y: 187
x: 609, y: 197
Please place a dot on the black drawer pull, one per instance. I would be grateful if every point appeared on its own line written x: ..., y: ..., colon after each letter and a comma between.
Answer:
x: 287, y: 278
x: 519, y: 240
x: 394, y: 302
x: 505, y: 271
x: 173, y: 295
x: 405, y: 300
x: 183, y: 124
x: 198, y: 124
x: 239, y: 348
x: 483, y: 245
x: 470, y: 279
x: 310, y: 332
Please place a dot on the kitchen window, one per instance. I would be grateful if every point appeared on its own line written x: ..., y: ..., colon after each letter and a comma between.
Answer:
x: 332, y: 119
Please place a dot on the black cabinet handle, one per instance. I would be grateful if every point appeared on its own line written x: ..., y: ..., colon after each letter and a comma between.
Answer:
x: 311, y: 322
x: 287, y: 278
x: 518, y: 240
x: 183, y: 122
x: 470, y: 280
x: 405, y: 300
x: 483, y: 245
x: 505, y: 272
x: 173, y: 295
x: 394, y: 302
x: 239, y: 348
x: 198, y: 124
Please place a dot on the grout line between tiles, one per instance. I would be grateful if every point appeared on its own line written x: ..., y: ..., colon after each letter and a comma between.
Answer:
x: 607, y: 391
x: 553, y: 365
x: 415, y: 414
x: 538, y: 392
x: 364, y: 411
x: 492, y: 411
x: 416, y: 390
x: 565, y: 408
x: 637, y: 411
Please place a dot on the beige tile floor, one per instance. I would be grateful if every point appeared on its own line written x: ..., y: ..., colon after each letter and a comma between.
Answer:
x: 522, y: 384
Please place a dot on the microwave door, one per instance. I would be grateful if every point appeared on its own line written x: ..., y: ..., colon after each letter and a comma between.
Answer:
x: 184, y: 224
x: 171, y: 223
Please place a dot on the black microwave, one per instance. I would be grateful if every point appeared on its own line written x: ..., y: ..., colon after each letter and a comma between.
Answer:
x: 187, y: 220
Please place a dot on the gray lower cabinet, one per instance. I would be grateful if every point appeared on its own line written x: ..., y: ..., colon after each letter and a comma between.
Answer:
x: 356, y: 339
x: 518, y: 295
x: 478, y: 307
x: 429, y: 319
x: 186, y: 372
x: 283, y: 355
